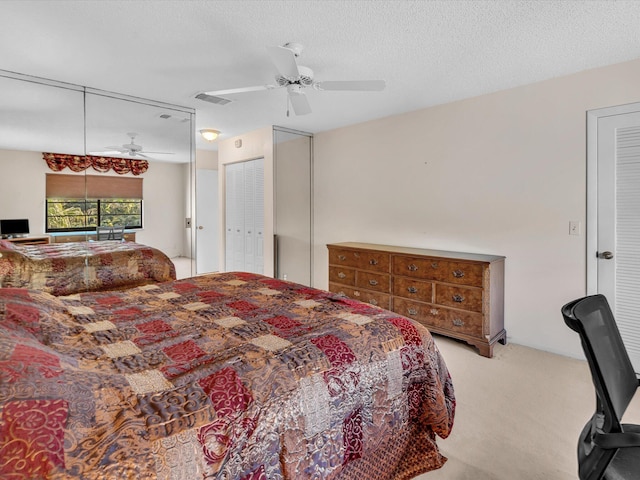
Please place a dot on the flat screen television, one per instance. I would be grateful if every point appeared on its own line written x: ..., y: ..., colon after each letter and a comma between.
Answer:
x: 14, y: 227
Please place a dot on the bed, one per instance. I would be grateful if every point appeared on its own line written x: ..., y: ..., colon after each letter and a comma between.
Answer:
x: 66, y: 268
x: 222, y: 376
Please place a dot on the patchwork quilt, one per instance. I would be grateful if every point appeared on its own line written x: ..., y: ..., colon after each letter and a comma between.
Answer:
x: 226, y: 376
x: 66, y: 268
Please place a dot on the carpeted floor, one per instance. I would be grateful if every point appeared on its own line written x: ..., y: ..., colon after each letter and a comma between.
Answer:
x: 518, y: 414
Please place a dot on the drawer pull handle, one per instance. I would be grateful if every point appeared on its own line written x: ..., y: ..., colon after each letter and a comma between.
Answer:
x: 342, y: 293
x: 342, y: 258
x: 434, y: 265
x: 373, y: 282
x: 457, y: 322
x: 412, y: 311
x: 412, y: 290
x: 434, y: 311
x: 413, y: 267
x: 373, y: 301
x: 342, y: 275
x: 373, y: 261
x: 458, y: 273
x: 356, y: 293
x: 458, y: 298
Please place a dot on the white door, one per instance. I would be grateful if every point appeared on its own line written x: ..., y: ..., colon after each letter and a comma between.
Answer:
x: 614, y: 208
x: 234, y: 219
x: 244, y: 216
x: 206, y: 221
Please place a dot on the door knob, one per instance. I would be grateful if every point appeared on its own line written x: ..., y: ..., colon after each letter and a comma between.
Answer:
x: 605, y: 255
x: 200, y: 227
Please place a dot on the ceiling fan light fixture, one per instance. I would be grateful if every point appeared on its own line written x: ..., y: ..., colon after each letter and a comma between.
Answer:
x: 209, y: 134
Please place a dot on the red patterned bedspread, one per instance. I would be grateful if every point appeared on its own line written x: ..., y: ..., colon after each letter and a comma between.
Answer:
x: 226, y: 376
x: 65, y: 268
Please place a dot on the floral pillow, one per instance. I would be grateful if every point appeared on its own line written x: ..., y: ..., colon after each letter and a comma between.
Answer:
x: 7, y: 245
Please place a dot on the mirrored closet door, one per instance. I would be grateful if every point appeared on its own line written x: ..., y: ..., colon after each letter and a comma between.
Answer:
x: 48, y: 131
x: 293, y: 215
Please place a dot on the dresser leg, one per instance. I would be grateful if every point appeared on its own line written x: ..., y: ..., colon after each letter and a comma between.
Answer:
x: 485, y: 349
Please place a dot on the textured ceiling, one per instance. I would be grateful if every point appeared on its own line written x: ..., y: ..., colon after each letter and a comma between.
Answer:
x: 429, y: 52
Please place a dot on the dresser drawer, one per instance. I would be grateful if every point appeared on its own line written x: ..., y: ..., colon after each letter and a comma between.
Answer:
x: 362, y: 259
x: 457, y: 321
x: 461, y: 273
x: 414, y: 289
x: 379, y: 282
x: 346, y: 276
x: 459, y: 297
x: 382, y: 300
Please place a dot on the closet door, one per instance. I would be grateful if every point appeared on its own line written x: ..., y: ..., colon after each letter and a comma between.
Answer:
x: 234, y: 217
x: 244, y: 220
x: 293, y: 198
x: 258, y: 220
x: 249, y: 207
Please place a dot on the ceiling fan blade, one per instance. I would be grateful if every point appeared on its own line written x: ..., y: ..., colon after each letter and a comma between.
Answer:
x: 156, y: 153
x: 240, y: 90
x: 285, y: 61
x: 299, y: 103
x: 107, y: 152
x: 352, y: 85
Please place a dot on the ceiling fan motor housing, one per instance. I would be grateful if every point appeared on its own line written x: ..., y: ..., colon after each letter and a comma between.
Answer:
x: 304, y: 79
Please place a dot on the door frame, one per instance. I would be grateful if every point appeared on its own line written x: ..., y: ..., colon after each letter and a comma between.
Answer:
x: 592, y: 186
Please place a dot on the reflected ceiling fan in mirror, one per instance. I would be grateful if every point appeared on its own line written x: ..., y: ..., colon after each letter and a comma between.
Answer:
x: 295, y: 78
x: 129, y: 149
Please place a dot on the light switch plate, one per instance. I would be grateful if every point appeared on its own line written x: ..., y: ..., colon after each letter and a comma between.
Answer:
x: 574, y: 228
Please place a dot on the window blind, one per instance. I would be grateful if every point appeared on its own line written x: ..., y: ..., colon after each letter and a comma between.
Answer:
x: 93, y: 186
x: 628, y: 238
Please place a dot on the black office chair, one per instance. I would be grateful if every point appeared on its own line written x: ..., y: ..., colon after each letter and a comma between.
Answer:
x: 607, y: 449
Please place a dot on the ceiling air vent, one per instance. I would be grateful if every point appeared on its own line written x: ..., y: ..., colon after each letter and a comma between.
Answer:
x: 212, y: 99
x: 173, y: 118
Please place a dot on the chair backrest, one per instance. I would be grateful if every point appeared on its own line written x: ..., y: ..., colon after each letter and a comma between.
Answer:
x: 612, y: 373
x: 104, y: 233
x: 117, y: 232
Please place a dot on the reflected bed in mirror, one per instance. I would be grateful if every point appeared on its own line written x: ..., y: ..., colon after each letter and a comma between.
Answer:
x: 67, y: 268
x: 76, y: 120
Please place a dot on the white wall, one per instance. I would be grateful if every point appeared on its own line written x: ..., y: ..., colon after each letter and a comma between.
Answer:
x: 207, y: 159
x: 22, y: 195
x: 22, y: 187
x: 500, y: 174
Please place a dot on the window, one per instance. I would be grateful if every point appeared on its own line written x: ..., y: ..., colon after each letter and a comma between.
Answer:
x: 69, y: 214
x: 79, y: 202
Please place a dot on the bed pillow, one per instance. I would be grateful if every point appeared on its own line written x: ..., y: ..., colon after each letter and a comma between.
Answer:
x: 7, y: 245
x: 32, y: 314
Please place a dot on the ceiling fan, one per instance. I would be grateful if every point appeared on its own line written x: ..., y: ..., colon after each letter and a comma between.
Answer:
x: 295, y: 78
x: 129, y: 149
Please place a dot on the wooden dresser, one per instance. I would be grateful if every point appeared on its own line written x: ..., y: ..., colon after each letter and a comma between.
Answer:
x: 460, y: 295
x: 29, y: 240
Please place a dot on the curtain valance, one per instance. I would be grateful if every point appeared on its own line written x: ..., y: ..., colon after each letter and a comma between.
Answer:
x: 77, y: 163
